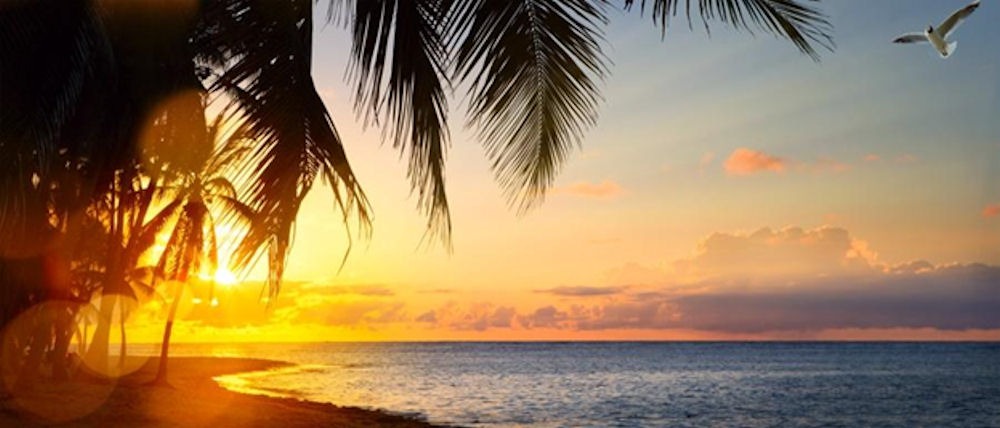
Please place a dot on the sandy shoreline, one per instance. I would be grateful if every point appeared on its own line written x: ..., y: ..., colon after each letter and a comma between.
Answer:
x: 195, y: 400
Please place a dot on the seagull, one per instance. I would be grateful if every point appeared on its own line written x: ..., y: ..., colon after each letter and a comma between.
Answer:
x: 938, y: 37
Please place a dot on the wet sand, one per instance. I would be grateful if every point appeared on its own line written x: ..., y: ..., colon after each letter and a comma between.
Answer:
x: 193, y: 399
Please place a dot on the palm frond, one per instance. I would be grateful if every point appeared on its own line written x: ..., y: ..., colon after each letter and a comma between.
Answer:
x: 172, y: 263
x: 232, y: 207
x: 533, y: 66
x: 230, y: 146
x: 49, y: 49
x: 399, y: 60
x: 146, y: 237
x: 211, y: 255
x: 51, y: 53
x: 188, y: 250
x: 220, y: 186
x: 264, y: 50
x: 796, y: 20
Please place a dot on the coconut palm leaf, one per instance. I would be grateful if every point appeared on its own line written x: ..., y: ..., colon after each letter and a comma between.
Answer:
x: 146, y: 237
x: 533, y: 66
x: 51, y: 53
x: 235, y: 212
x: 264, y: 50
x: 184, y: 254
x: 798, y: 21
x: 399, y: 60
x: 220, y: 186
x: 50, y: 50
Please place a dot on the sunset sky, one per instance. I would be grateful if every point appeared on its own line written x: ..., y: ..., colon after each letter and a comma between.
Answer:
x: 733, y: 189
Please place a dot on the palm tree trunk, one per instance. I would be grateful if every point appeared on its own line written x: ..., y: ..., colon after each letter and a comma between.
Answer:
x: 122, y: 347
x: 37, y: 341
x: 97, y: 351
x: 82, y: 346
x: 64, y: 330
x: 161, y: 371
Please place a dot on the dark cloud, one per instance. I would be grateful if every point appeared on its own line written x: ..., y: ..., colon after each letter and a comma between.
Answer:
x: 429, y: 316
x: 919, y: 266
x: 545, y: 317
x: 958, y: 297
x: 582, y: 291
x: 913, y: 295
x: 475, y: 317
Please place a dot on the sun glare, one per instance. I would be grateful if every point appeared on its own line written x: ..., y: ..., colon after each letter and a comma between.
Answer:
x: 225, y: 277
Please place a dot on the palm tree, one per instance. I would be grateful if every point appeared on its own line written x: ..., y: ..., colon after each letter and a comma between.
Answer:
x: 191, y: 253
x: 80, y: 78
x: 119, y: 218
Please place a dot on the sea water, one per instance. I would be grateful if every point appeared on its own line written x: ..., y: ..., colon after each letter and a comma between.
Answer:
x: 630, y: 384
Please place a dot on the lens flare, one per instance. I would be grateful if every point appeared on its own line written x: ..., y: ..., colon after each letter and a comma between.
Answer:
x: 50, y: 367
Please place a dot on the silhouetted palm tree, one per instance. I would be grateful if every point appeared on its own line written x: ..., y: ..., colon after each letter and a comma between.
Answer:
x: 191, y: 253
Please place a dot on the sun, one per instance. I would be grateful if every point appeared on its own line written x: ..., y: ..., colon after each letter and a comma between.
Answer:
x: 226, y: 277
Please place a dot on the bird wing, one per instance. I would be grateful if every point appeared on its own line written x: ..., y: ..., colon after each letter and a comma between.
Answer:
x: 956, y: 19
x: 911, y: 38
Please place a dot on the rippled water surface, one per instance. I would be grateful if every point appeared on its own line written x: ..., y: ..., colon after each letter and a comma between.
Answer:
x: 642, y: 384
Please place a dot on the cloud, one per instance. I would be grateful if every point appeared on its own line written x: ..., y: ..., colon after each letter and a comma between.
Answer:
x: 871, y: 157
x: 957, y: 297
x: 429, y: 316
x: 953, y: 297
x: 502, y: 317
x: 603, y: 190
x: 472, y: 317
x: 767, y: 282
x: 545, y: 317
x: 582, y: 291
x: 914, y: 267
x: 906, y: 158
x: 789, y: 281
x: 745, y: 161
x: 789, y: 253
x: 991, y: 210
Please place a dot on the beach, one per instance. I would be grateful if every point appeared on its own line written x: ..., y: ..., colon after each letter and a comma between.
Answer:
x: 193, y: 399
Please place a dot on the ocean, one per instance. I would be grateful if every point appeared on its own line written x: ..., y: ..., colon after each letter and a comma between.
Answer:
x: 639, y: 384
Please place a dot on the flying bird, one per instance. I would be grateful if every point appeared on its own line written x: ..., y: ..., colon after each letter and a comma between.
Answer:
x: 938, y: 37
